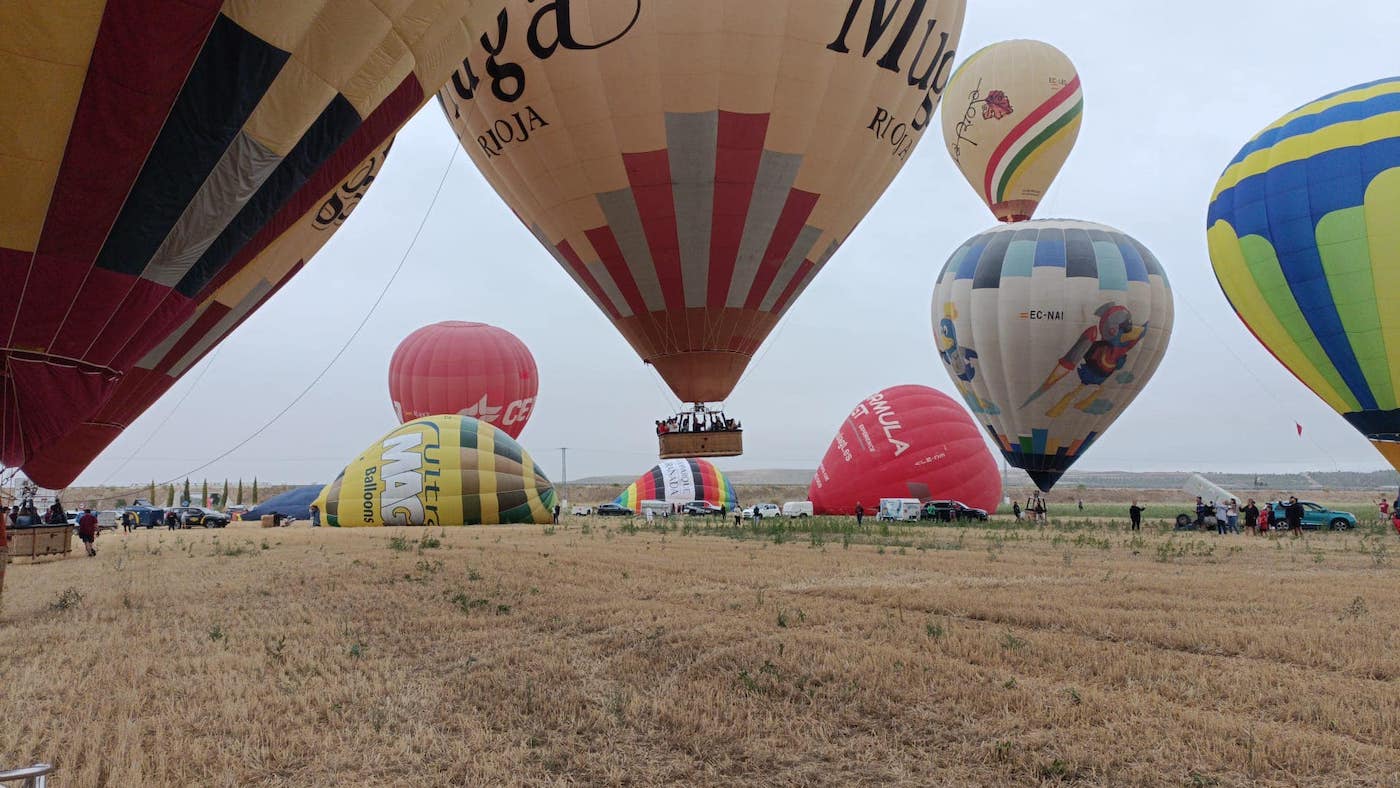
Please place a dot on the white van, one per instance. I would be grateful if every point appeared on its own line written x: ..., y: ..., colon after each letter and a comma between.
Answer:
x: 900, y: 509
x: 655, y: 508
x: 797, y: 509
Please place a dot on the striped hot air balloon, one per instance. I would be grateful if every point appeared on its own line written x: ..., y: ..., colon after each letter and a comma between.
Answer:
x: 442, y: 470
x: 694, y: 164
x: 1011, y: 118
x: 169, y: 166
x: 681, y: 481
x: 1049, y: 329
x: 1304, y: 230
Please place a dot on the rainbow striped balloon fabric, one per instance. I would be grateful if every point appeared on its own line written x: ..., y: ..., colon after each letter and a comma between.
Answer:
x: 1304, y: 230
x: 681, y: 481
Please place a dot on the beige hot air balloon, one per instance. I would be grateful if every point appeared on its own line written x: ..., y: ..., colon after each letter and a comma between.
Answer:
x: 1011, y: 119
x: 693, y: 165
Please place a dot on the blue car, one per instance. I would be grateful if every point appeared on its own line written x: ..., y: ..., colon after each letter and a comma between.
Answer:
x: 1315, y: 517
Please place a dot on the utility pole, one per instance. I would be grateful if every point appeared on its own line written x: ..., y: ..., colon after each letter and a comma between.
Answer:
x: 564, y: 469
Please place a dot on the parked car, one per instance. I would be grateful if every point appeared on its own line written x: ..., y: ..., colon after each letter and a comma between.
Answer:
x: 702, y: 509
x: 192, y: 516
x: 581, y: 511
x: 763, y: 510
x: 613, y: 510
x: 797, y: 509
x: 951, y: 511
x: 1315, y: 517
x: 108, y: 520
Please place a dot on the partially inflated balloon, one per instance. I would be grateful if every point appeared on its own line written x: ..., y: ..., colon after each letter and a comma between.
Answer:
x: 167, y: 167
x: 1304, y: 230
x: 681, y: 481
x: 693, y: 165
x: 1049, y: 330
x: 906, y: 442
x: 1011, y: 118
x: 470, y: 369
x: 443, y: 470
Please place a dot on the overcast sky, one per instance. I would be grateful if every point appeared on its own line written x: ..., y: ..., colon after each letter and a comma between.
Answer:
x: 1172, y: 91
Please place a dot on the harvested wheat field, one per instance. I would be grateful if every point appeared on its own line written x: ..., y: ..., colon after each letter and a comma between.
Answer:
x: 604, y: 653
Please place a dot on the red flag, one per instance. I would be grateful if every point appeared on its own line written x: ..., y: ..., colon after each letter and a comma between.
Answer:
x: 1300, y: 428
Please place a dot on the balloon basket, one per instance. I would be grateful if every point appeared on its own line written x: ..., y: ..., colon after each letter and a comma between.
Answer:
x: 684, y: 445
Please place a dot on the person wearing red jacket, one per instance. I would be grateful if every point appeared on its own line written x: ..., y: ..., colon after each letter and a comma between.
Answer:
x: 87, y: 531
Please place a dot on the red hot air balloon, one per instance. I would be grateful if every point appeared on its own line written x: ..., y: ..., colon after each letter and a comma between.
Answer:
x: 467, y: 369
x: 906, y: 442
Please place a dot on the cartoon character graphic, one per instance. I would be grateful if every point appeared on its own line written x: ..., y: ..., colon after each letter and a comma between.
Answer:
x: 997, y: 106
x: 961, y: 361
x: 1100, y: 351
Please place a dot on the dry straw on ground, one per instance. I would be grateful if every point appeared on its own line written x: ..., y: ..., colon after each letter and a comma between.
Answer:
x: 598, y: 654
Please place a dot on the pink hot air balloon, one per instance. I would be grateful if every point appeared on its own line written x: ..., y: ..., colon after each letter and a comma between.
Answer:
x: 906, y: 442
x: 467, y: 369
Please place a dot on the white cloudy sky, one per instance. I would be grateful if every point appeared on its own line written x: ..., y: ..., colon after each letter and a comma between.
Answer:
x: 1173, y: 89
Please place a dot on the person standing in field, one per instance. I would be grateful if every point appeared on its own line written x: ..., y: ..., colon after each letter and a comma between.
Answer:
x: 1395, y: 514
x: 556, y: 513
x: 1040, y: 509
x: 1293, y: 513
x: 1232, y: 515
x: 1016, y: 510
x: 316, y: 516
x: 1135, y: 516
x: 1266, y: 518
x: 1385, y: 509
x: 860, y: 512
x: 1251, y: 517
x: 4, y: 545
x: 87, y: 531
x: 739, y: 514
x: 172, y: 521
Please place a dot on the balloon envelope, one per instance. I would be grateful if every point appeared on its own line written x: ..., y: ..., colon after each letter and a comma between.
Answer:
x: 168, y: 166
x: 693, y: 165
x: 681, y: 481
x: 470, y: 369
x: 1303, y: 238
x: 1050, y: 329
x: 906, y: 442
x: 1012, y: 116
x: 442, y: 470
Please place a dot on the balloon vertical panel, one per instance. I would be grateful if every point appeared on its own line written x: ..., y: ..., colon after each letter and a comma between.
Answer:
x: 1049, y: 330
x: 693, y: 165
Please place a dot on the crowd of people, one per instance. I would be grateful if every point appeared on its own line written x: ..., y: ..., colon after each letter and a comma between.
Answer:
x: 700, y: 421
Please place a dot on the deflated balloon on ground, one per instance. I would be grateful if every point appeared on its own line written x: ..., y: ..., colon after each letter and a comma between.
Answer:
x: 906, y: 442
x: 681, y: 481
x: 442, y: 470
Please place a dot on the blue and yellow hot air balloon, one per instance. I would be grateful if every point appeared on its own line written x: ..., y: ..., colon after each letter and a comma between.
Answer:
x: 1304, y: 231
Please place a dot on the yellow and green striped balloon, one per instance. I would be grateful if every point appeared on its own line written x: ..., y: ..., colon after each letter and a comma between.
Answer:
x: 440, y: 470
x: 1304, y: 230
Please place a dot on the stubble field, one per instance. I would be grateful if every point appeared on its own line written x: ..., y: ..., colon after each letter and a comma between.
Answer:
x: 603, y: 652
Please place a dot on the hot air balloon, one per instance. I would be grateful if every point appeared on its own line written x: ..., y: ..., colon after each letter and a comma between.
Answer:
x: 442, y: 470
x: 1012, y: 117
x: 168, y: 166
x: 906, y: 442
x: 681, y: 481
x: 1303, y: 238
x: 693, y: 165
x: 470, y: 369
x: 1050, y: 329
